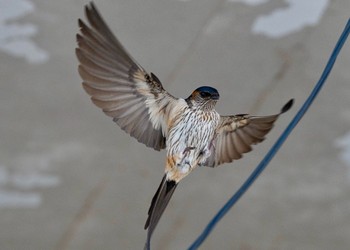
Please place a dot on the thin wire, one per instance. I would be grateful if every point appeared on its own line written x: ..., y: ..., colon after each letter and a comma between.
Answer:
x: 265, y: 161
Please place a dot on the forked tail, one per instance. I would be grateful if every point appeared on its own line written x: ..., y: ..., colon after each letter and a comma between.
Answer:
x: 159, y: 202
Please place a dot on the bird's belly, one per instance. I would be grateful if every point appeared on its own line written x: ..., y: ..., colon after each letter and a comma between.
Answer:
x: 188, y: 143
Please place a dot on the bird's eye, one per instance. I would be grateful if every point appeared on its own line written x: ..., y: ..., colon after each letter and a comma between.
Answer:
x: 205, y: 94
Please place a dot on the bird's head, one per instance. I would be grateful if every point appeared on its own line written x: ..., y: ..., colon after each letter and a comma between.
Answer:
x: 204, y: 97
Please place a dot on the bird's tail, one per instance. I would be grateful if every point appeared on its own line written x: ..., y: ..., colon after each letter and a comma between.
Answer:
x: 159, y: 202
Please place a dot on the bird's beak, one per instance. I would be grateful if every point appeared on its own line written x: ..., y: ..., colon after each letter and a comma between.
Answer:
x: 215, y: 96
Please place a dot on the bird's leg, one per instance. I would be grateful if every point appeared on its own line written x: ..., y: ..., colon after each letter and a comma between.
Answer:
x: 185, y: 153
x: 205, y: 153
x: 200, y: 157
x: 188, y: 149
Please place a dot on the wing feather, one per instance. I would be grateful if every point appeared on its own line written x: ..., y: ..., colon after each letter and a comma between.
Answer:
x: 237, y: 133
x: 118, y: 85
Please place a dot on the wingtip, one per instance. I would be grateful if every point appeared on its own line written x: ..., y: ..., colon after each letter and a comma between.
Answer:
x: 287, y: 106
x: 92, y: 5
x: 80, y: 22
x: 89, y: 6
x: 78, y: 38
x: 91, y: 11
x: 82, y: 25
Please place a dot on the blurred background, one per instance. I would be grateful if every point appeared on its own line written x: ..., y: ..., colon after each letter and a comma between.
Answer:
x: 71, y: 179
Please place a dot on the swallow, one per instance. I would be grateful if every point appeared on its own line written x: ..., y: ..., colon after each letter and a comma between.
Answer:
x: 191, y: 131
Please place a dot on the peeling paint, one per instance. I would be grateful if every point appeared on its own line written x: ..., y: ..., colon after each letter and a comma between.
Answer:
x: 15, y: 37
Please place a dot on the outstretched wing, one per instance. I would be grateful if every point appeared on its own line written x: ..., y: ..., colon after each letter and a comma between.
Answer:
x: 119, y: 85
x: 237, y: 133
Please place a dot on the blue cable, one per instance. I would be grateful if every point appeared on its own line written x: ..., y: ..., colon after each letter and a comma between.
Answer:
x: 265, y: 161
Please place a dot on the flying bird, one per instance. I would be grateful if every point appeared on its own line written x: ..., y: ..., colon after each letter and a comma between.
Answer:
x: 191, y: 131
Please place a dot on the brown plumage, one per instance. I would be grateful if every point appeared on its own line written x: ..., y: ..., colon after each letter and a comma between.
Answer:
x: 190, y: 129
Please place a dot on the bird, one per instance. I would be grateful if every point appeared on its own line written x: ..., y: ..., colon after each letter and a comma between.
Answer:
x: 191, y: 131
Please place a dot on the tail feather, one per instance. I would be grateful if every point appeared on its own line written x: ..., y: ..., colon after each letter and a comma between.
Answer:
x: 159, y: 202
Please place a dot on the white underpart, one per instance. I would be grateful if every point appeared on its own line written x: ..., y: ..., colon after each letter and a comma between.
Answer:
x: 191, y: 132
